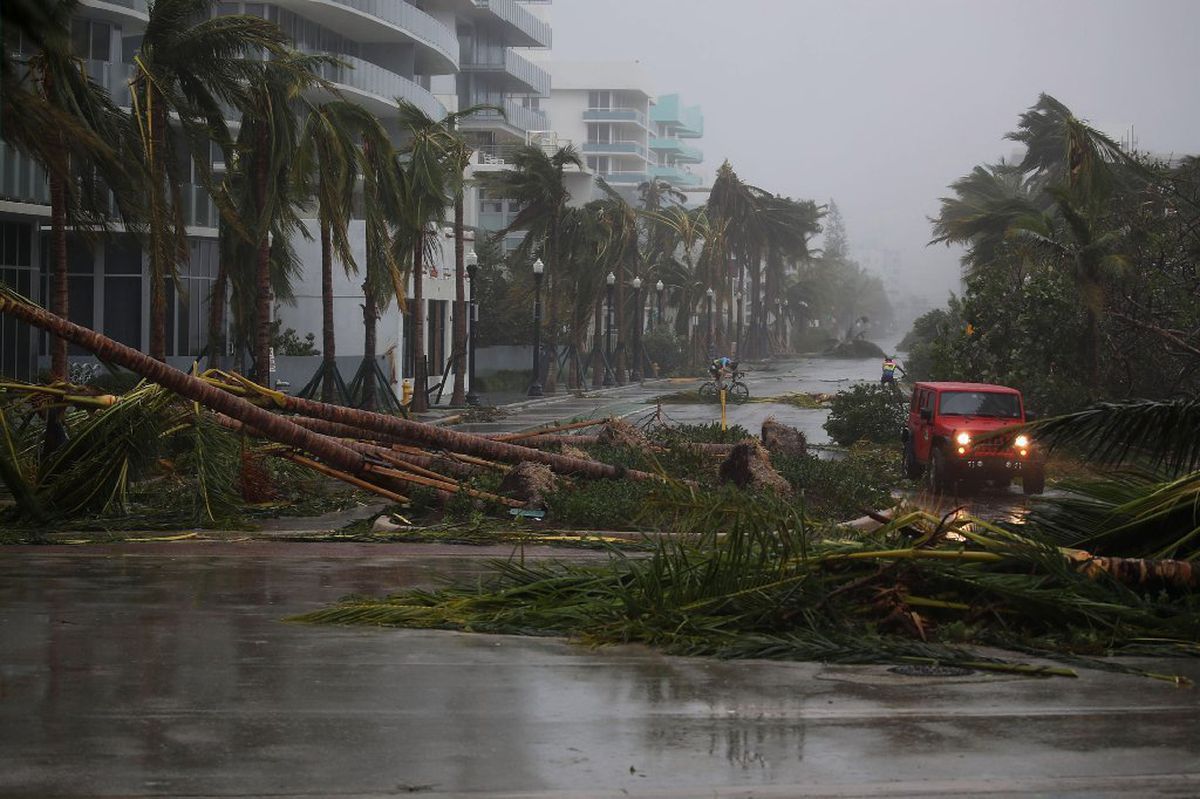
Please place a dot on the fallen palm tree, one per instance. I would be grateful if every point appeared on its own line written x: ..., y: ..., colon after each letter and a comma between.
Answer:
x: 761, y: 583
x: 314, y: 432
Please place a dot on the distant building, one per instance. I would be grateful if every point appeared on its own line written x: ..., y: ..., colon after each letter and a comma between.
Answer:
x: 625, y: 135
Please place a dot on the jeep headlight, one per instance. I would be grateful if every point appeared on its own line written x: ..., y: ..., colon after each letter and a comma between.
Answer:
x: 1021, y: 441
x: 963, y: 438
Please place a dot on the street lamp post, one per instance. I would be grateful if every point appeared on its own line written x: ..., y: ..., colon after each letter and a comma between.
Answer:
x: 660, y: 286
x: 736, y: 312
x: 611, y: 280
x: 711, y: 346
x: 535, y: 388
x: 472, y: 261
x: 784, y: 323
x: 636, y: 375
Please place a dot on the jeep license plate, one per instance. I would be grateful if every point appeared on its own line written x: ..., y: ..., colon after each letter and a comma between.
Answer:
x: 974, y: 464
x: 1013, y: 465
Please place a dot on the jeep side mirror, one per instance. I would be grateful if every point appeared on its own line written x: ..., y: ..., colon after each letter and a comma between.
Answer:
x: 1030, y: 416
x: 927, y: 414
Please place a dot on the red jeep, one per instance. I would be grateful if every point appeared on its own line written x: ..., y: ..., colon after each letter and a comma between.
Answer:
x: 948, y: 435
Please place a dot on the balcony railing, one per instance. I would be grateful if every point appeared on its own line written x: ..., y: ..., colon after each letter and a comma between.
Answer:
x: 531, y: 76
x: 537, y: 31
x: 383, y: 84
x: 625, y: 178
x: 515, y: 116
x: 21, y: 178
x: 614, y: 148
x: 411, y: 20
x: 675, y: 175
x: 614, y: 115
x: 141, y: 7
x: 682, y: 152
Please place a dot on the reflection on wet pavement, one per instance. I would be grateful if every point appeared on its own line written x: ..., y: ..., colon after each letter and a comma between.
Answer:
x: 171, y: 671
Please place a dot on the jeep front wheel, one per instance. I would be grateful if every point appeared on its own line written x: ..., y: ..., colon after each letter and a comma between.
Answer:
x: 939, y: 480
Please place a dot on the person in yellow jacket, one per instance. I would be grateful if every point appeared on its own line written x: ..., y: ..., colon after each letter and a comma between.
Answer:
x: 890, y: 367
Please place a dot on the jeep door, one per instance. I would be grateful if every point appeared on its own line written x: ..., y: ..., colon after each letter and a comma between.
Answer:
x: 922, y: 421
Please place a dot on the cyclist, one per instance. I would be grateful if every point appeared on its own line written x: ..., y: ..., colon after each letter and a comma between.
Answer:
x: 721, y: 367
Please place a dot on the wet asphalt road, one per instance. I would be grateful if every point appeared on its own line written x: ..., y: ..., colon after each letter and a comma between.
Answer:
x: 168, y: 670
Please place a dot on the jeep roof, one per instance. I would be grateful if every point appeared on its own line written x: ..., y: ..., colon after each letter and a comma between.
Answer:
x: 991, y: 388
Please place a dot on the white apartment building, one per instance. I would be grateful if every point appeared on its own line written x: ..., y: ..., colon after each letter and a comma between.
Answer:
x: 624, y: 131
x: 438, y: 54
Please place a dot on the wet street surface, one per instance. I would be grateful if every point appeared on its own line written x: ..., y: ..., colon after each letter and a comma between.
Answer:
x: 168, y: 670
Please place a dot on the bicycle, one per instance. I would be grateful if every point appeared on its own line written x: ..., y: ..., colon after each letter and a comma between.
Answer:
x: 737, y: 391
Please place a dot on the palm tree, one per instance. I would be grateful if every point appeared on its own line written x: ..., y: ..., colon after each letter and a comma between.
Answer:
x: 619, y: 220
x: 445, y: 146
x: 186, y: 74
x: 384, y: 206
x: 268, y: 143
x: 685, y: 261
x: 787, y: 226
x: 733, y: 207
x: 85, y: 146
x: 537, y: 184
x: 326, y: 168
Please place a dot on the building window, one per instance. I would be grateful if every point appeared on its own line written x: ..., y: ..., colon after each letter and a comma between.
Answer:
x: 91, y: 40
x: 599, y: 99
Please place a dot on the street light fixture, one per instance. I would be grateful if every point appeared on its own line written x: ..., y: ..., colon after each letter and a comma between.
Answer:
x: 472, y: 262
x: 535, y: 387
x: 637, y: 330
x: 611, y: 280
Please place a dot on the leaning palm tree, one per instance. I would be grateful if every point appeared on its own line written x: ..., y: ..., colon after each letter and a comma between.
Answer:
x: 443, y: 141
x: 537, y: 184
x: 82, y: 155
x: 326, y: 168
x: 732, y: 206
x: 620, y: 221
x: 186, y: 75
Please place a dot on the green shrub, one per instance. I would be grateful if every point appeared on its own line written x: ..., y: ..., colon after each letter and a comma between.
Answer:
x: 867, y: 412
x: 838, y: 490
x: 600, y: 504
x: 666, y: 349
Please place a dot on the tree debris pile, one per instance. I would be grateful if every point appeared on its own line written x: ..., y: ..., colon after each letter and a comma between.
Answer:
x: 761, y: 583
x: 530, y: 483
x: 782, y: 439
x: 749, y: 467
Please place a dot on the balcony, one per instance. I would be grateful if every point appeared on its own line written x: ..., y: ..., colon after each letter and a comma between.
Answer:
x: 386, y: 22
x: 675, y: 176
x: 614, y: 148
x: 615, y: 115
x: 684, y: 153
x: 513, y: 73
x: 377, y: 88
x: 625, y: 178
x: 22, y: 179
x: 132, y: 15
x: 523, y: 28
x: 687, y: 123
x: 517, y: 120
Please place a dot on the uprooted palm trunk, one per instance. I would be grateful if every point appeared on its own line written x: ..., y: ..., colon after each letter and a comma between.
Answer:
x: 277, y: 428
x: 749, y: 466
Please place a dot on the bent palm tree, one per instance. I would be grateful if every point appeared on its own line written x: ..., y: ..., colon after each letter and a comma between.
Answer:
x: 326, y: 168
x: 186, y: 74
x: 537, y: 184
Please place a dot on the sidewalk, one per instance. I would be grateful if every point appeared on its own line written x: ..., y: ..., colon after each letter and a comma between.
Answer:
x: 565, y: 406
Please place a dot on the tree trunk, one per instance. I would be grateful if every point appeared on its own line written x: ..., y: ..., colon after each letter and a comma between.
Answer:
x: 370, y: 317
x: 420, y: 399
x: 160, y: 227
x: 550, y: 385
x: 757, y: 320
x: 262, y: 316
x: 216, y: 317
x: 272, y: 426
x: 328, y: 344
x: 459, y: 355
x: 597, y: 346
x: 619, y: 354
x: 59, y: 294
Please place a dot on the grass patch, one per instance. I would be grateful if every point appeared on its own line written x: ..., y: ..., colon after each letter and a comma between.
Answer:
x: 837, y: 490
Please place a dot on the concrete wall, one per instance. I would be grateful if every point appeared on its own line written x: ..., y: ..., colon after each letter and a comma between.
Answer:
x: 501, y: 358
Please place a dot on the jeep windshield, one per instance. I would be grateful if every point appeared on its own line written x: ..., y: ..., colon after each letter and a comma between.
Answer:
x: 980, y: 403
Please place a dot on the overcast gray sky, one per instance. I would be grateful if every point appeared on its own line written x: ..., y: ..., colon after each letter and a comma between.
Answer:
x: 880, y: 104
